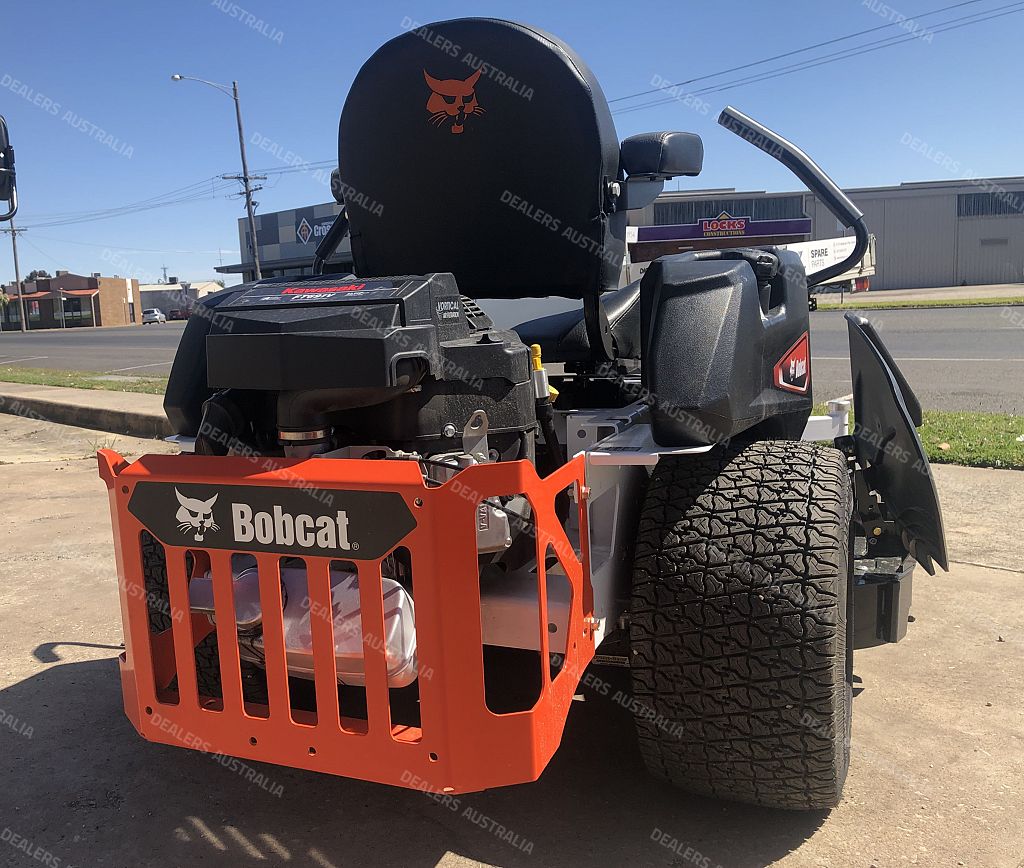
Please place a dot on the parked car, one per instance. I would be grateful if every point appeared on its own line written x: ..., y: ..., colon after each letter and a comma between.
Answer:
x: 177, y: 314
x: 153, y: 314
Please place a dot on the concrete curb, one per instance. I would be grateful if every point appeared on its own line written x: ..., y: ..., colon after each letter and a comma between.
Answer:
x: 869, y: 306
x: 82, y: 414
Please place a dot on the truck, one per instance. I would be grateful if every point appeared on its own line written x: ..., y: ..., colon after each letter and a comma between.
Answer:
x: 816, y: 255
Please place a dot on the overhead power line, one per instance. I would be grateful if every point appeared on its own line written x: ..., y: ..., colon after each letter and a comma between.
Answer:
x: 811, y: 63
x: 298, y: 167
x: 133, y: 249
x: 208, y: 188
x: 125, y: 210
x: 188, y: 188
x: 793, y: 52
x: 213, y: 187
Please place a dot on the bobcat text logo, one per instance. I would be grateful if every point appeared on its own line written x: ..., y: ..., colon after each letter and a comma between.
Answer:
x: 195, y: 516
x: 452, y: 100
x: 284, y: 529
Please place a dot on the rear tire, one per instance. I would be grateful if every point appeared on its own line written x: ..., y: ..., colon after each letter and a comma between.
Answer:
x: 740, y: 656
x: 207, y: 656
x: 208, y: 675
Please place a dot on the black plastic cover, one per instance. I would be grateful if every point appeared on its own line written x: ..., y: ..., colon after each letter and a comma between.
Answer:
x: 726, y: 351
x: 333, y: 332
x: 881, y: 607
x: 888, y: 448
x: 187, y: 388
x: 393, y: 360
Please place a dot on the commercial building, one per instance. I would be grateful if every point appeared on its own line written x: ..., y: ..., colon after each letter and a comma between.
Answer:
x: 932, y: 233
x: 73, y: 300
x: 287, y: 241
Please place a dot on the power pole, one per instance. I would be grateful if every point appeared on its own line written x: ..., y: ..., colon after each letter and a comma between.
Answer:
x: 245, y: 181
x: 250, y: 206
x: 17, y: 273
x: 164, y: 269
x: 245, y: 177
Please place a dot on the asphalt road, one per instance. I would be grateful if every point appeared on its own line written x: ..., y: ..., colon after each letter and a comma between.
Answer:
x: 955, y: 358
x: 935, y: 775
x: 131, y: 350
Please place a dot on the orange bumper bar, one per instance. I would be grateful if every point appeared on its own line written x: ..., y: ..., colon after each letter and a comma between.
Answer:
x: 461, y: 745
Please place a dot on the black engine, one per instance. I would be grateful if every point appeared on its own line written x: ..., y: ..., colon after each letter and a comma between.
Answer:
x: 304, y: 366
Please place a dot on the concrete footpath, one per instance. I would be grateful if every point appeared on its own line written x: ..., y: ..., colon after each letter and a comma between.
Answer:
x: 938, y: 293
x: 938, y: 728
x: 130, y: 413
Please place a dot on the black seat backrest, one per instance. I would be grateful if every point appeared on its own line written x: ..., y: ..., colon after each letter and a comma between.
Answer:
x: 484, y: 148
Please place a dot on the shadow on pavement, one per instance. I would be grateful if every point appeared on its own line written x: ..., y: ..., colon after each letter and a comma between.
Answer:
x: 87, y: 789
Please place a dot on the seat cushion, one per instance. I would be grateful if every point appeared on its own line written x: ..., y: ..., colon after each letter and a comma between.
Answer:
x: 563, y: 336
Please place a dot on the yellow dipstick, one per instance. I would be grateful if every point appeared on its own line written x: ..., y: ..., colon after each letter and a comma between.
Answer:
x: 537, y: 365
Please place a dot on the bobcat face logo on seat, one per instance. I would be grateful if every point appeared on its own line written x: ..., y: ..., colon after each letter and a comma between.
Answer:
x: 452, y: 100
x: 195, y: 516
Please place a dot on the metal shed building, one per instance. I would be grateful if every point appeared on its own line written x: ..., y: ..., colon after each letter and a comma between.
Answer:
x: 929, y: 234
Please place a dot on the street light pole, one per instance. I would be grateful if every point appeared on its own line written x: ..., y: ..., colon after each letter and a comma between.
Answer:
x: 245, y: 182
x: 246, y: 178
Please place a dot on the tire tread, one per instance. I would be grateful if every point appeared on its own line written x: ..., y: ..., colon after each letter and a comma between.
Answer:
x: 738, y: 624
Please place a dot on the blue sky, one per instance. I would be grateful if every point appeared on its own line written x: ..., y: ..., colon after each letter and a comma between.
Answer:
x: 69, y: 69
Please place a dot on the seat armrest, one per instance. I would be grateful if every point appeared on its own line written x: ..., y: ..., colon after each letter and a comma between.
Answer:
x: 662, y: 155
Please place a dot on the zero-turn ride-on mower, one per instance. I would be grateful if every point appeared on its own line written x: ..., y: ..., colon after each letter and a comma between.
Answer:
x: 401, y: 539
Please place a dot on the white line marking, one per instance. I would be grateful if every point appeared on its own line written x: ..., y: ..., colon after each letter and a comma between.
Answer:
x: 914, y: 359
x: 136, y: 367
x: 26, y: 359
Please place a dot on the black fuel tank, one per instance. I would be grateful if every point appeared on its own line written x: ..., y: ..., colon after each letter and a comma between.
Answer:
x: 726, y: 349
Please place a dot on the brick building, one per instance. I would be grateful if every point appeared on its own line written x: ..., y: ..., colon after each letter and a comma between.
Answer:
x: 175, y: 299
x: 73, y: 300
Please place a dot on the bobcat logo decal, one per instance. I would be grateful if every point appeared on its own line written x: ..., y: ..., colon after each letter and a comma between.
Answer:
x: 452, y: 101
x: 195, y: 516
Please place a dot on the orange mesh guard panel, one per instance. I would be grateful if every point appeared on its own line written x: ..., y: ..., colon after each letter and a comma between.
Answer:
x: 460, y: 745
